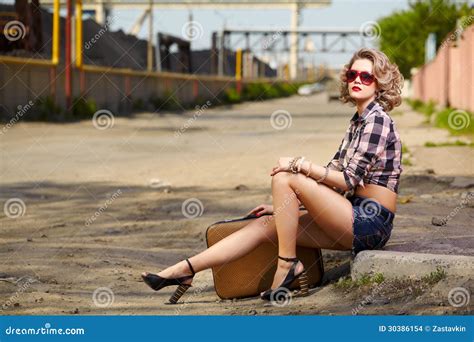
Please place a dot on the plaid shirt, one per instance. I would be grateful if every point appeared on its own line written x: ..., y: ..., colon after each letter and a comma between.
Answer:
x: 371, y: 151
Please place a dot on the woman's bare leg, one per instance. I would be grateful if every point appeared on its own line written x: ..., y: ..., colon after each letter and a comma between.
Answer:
x: 226, y: 250
x: 329, y: 210
x: 243, y: 241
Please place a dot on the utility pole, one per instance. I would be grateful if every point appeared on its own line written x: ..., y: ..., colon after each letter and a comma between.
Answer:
x: 294, y: 41
x: 221, y: 54
x: 150, y: 38
x: 67, y: 61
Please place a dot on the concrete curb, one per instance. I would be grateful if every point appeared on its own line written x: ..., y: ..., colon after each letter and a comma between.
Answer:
x: 410, y: 265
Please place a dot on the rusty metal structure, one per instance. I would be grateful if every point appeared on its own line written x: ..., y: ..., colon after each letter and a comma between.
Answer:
x: 21, y: 29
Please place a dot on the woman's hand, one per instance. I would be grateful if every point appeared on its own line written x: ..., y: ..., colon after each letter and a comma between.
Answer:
x: 261, y: 209
x: 283, y: 165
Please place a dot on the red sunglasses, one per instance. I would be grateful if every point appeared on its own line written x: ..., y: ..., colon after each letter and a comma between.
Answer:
x: 365, y: 77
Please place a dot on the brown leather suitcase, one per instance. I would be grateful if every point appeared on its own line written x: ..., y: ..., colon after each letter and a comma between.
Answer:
x: 253, y: 273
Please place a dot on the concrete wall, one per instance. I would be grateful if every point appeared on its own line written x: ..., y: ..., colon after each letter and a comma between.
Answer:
x: 449, y: 78
x: 112, y: 89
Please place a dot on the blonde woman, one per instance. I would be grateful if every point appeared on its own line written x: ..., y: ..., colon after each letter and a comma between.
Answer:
x: 350, y: 203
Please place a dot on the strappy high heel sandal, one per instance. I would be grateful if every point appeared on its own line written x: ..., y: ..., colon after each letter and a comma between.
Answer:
x: 302, y: 278
x: 157, y: 283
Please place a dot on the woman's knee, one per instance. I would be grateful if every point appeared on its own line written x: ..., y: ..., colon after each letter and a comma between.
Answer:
x: 281, y: 177
x: 296, y: 181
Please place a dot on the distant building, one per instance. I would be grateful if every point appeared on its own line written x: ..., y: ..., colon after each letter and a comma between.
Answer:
x: 118, y: 49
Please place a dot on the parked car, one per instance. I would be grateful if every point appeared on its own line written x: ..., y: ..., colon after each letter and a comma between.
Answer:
x: 309, y: 89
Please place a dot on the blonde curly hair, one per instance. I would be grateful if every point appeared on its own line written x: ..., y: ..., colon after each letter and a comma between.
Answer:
x: 389, y: 80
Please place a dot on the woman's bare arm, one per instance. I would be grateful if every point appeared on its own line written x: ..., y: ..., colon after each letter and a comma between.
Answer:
x: 334, y: 178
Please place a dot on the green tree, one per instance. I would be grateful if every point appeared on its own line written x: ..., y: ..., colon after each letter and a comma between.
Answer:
x: 403, y: 33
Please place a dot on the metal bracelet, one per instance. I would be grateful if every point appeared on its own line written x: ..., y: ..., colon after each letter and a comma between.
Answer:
x: 300, y: 163
x: 309, y: 169
x: 325, y: 175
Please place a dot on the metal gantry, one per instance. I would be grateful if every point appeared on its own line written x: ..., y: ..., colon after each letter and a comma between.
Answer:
x: 101, y: 7
x: 279, y: 42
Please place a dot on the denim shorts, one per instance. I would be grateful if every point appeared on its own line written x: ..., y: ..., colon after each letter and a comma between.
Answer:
x: 372, y: 224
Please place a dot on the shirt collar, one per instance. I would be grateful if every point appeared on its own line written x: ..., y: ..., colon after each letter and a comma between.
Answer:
x: 366, y: 112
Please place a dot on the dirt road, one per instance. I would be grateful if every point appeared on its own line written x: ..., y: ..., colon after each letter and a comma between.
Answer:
x: 88, y: 210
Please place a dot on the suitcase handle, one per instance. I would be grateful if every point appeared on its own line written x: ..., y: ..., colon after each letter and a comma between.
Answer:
x: 255, y: 216
x: 248, y: 217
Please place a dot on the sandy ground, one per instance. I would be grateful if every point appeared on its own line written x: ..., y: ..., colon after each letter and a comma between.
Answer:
x: 101, y: 206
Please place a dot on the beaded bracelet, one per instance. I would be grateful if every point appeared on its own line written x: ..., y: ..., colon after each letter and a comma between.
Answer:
x: 291, y: 164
